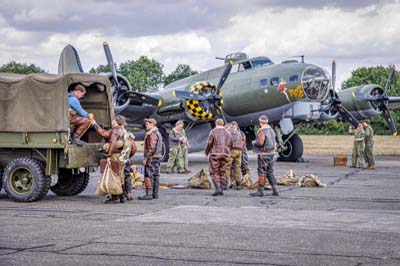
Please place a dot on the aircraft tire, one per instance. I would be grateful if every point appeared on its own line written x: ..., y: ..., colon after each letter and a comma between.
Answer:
x: 69, y: 184
x: 24, y: 180
x: 1, y: 178
x: 294, y: 151
x: 165, y: 145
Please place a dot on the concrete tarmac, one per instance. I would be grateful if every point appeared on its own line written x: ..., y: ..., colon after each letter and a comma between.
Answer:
x: 355, y: 220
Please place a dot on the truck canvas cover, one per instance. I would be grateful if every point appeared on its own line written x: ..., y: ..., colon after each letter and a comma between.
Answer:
x: 39, y: 102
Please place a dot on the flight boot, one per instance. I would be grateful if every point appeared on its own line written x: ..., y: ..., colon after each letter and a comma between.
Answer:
x: 274, y: 190
x: 218, y: 190
x: 261, y: 184
x: 148, y: 186
x: 147, y: 196
x: 237, y: 185
x: 156, y: 186
x: 77, y: 141
x: 259, y: 193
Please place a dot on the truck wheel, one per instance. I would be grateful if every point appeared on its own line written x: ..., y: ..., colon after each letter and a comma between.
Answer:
x: 25, y: 181
x: 69, y: 184
x: 294, y: 149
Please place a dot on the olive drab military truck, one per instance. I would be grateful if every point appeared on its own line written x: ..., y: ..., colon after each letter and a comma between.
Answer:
x: 35, y: 132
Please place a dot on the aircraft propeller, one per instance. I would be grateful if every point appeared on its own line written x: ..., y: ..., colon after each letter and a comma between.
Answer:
x: 381, y: 101
x: 122, y: 96
x: 209, y: 99
x: 336, y: 104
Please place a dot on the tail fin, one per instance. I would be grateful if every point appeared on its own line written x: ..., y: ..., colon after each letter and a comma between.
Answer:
x: 69, y: 61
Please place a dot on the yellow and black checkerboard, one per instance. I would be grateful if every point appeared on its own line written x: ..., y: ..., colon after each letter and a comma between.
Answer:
x: 194, y: 107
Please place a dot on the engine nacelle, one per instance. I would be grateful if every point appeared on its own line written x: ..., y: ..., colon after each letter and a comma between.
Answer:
x: 360, y: 108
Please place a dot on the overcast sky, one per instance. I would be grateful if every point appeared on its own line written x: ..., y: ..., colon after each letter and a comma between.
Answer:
x: 355, y: 33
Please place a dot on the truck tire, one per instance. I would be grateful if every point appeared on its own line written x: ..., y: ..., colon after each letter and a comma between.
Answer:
x: 69, y: 184
x: 24, y: 180
x: 294, y: 149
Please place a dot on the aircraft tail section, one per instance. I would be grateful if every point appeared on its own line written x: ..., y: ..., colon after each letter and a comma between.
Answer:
x: 69, y: 61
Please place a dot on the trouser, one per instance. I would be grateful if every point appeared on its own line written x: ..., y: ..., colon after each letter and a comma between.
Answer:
x: 175, y: 159
x: 127, y: 175
x: 234, y: 160
x: 151, y: 173
x: 217, y: 167
x: 82, y: 124
x: 244, y: 166
x: 357, y: 157
x: 185, y: 155
x: 369, y: 153
x: 265, y: 169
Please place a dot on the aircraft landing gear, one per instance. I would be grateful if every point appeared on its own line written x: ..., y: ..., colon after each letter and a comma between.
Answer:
x: 294, y: 149
x: 165, y: 145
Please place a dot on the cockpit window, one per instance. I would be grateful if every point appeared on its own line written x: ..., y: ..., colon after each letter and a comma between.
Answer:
x: 315, y: 83
x: 261, y: 62
x: 244, y: 66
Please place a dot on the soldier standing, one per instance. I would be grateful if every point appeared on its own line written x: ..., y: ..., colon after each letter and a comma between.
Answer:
x: 114, y: 137
x: 235, y: 158
x: 184, y: 150
x: 151, y: 162
x: 357, y: 158
x: 369, y: 145
x: 218, y: 150
x: 264, y: 146
x: 126, y: 157
x: 176, y: 157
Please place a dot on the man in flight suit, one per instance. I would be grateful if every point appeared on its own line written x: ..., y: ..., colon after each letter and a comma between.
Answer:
x: 264, y: 146
x: 369, y: 145
x: 151, y: 162
x: 218, y: 150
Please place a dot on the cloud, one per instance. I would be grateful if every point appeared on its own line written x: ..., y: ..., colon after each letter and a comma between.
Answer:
x: 356, y: 33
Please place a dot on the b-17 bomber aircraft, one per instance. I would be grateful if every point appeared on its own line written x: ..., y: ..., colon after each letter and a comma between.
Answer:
x: 291, y: 94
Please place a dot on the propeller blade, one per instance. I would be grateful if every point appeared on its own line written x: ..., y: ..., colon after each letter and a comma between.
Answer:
x: 347, y: 116
x: 333, y: 74
x: 188, y: 95
x: 225, y: 75
x: 220, y: 113
x: 389, y: 119
x: 390, y: 78
x: 111, y: 63
x: 140, y: 98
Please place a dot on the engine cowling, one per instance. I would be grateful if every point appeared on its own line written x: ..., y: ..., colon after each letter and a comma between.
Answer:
x: 207, y: 108
x: 360, y: 108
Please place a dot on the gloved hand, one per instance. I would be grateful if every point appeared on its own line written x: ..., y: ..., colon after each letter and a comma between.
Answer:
x: 91, y: 119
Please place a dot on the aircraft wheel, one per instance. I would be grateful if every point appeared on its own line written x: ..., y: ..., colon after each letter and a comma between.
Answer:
x: 69, y: 184
x: 165, y: 145
x: 25, y: 181
x: 1, y: 178
x: 294, y: 149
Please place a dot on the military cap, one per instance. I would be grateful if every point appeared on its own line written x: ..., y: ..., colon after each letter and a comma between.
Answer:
x: 263, y: 119
x: 151, y: 120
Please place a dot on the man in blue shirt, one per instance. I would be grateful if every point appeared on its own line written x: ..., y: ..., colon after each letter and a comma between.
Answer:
x: 77, y: 115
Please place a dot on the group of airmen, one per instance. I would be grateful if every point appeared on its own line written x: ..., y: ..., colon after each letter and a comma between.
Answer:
x: 363, y: 147
x: 226, y: 151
